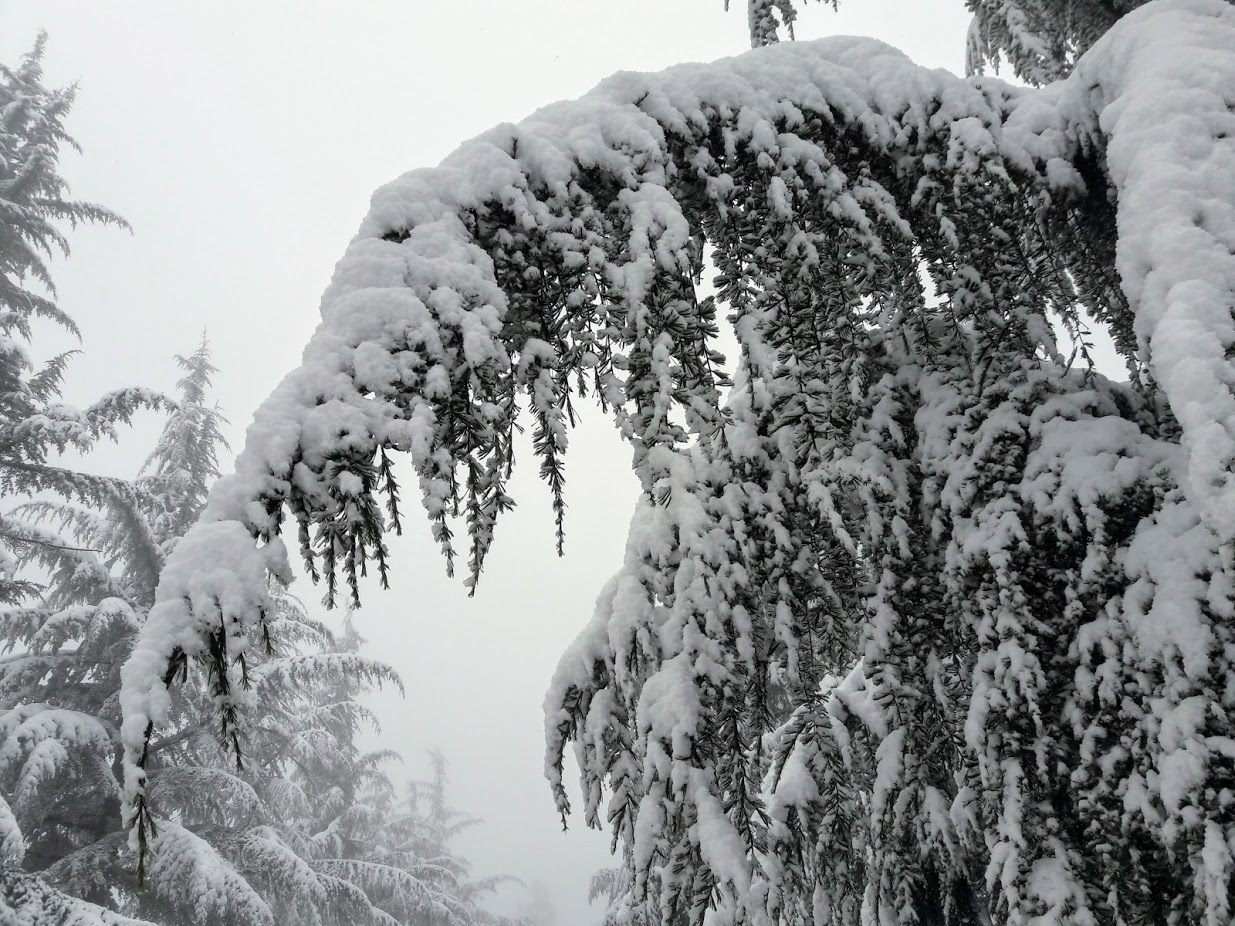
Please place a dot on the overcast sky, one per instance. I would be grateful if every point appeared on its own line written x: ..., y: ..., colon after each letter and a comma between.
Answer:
x: 242, y: 141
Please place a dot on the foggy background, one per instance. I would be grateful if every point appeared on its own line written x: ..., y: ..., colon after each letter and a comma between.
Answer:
x: 242, y: 141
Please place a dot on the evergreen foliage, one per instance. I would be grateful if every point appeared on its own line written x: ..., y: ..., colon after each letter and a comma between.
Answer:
x: 272, y: 842
x: 410, y: 843
x: 1041, y: 39
x: 269, y: 842
x: 922, y: 619
x: 35, y: 426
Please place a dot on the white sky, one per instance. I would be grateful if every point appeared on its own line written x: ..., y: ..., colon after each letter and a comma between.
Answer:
x: 242, y: 140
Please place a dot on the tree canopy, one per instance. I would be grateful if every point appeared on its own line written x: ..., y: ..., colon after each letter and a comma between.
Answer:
x: 922, y: 619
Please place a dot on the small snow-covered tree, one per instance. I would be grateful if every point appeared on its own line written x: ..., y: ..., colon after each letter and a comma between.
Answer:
x: 539, y: 907
x: 185, y: 462
x: 922, y: 619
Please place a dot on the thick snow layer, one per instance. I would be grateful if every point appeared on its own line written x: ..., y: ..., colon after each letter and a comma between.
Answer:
x: 1161, y: 91
x: 27, y: 900
x: 37, y: 743
x: 186, y: 866
x: 12, y: 843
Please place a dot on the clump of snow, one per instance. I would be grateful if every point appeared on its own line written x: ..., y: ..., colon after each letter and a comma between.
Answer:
x: 215, y: 585
x: 1159, y: 88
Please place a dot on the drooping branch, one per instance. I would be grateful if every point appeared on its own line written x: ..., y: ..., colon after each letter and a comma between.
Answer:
x: 558, y: 257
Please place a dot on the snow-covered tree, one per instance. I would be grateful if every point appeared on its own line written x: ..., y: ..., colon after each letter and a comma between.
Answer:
x: 411, y: 835
x: 35, y: 426
x: 922, y: 619
x: 185, y: 462
x: 251, y: 845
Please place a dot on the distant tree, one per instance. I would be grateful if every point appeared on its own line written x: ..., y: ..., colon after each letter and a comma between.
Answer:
x: 185, y: 462
x: 35, y: 426
x: 416, y: 837
x: 539, y: 908
x: 923, y: 620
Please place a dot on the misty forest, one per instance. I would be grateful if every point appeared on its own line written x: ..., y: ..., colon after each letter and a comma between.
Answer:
x: 924, y: 385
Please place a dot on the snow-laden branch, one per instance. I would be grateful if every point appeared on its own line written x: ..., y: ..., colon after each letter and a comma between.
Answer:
x: 871, y: 421
x: 420, y: 349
